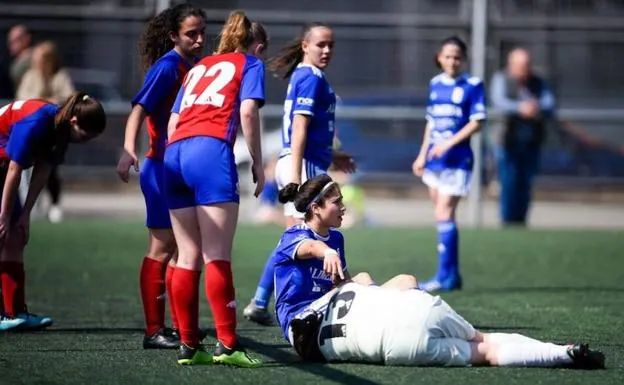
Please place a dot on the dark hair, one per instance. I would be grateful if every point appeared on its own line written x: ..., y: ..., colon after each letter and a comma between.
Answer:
x: 88, y: 111
x: 307, y: 193
x: 155, y: 41
x: 238, y: 33
x: 291, y: 55
x: 453, y: 40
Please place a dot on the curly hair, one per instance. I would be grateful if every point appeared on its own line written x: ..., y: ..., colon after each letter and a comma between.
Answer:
x: 155, y: 41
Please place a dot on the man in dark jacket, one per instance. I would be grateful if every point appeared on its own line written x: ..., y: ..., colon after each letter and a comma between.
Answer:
x: 526, y: 103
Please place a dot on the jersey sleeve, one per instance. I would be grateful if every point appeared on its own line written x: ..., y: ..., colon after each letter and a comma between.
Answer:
x: 305, y: 93
x: 159, y: 83
x: 290, y: 242
x: 178, y: 101
x: 477, y: 103
x: 252, y: 84
x: 24, y: 135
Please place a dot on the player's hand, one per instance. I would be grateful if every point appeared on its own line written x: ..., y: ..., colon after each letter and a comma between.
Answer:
x: 333, y: 267
x: 438, y: 151
x: 23, y: 228
x: 257, y: 173
x: 343, y: 161
x: 418, y: 167
x: 5, y: 224
x: 127, y: 160
x: 529, y: 109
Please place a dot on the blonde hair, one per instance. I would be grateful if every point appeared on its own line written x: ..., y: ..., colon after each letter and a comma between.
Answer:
x: 236, y: 34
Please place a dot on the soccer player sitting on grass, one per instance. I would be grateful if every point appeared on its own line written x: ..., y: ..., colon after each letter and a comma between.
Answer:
x: 328, y: 317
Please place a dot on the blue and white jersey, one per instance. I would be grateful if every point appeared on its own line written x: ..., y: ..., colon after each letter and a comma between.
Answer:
x: 299, y: 282
x: 452, y: 104
x: 309, y: 93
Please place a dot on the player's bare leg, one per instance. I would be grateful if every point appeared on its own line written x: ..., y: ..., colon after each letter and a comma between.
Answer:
x: 185, y: 286
x: 13, y: 280
x: 217, y: 225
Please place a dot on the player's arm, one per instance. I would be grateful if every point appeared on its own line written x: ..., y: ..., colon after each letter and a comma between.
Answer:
x: 40, y: 177
x: 252, y: 99
x: 298, y: 140
x: 310, y: 249
x: 9, y: 192
x: 19, y: 150
x: 303, y: 110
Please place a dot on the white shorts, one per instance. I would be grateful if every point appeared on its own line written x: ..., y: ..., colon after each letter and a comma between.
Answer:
x: 452, y: 182
x: 371, y: 324
x: 283, y: 175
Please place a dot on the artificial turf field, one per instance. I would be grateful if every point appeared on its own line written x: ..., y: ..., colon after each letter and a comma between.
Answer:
x: 562, y: 286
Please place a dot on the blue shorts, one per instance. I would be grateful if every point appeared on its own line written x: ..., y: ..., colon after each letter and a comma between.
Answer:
x: 200, y: 171
x: 152, y: 185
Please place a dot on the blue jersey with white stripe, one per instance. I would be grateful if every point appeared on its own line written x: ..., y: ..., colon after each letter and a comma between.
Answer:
x: 299, y: 282
x: 453, y: 102
x: 309, y: 93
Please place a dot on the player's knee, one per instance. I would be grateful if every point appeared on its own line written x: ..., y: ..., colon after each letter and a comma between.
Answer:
x: 407, y: 281
x: 363, y: 278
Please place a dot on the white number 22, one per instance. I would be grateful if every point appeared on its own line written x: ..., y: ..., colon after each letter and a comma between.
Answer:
x: 224, y: 72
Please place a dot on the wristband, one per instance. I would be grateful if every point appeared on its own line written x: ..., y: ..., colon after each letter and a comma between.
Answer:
x: 329, y: 252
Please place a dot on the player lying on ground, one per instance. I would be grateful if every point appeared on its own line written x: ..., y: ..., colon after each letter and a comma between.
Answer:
x: 366, y: 323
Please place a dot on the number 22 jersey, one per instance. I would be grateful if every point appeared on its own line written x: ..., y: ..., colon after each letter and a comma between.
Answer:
x: 211, y: 95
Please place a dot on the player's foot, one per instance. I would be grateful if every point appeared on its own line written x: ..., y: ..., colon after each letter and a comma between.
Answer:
x: 236, y: 356
x: 10, y: 323
x: 257, y: 314
x: 193, y: 356
x: 33, y: 321
x: 585, y: 358
x: 436, y: 286
x: 161, y: 340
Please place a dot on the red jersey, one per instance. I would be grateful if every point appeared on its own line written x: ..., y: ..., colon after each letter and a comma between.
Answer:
x: 209, y: 101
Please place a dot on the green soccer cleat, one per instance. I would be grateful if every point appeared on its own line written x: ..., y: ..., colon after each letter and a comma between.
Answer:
x: 193, y: 356
x: 236, y: 356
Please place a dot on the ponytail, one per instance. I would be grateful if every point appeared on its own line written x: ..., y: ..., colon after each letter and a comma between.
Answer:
x: 236, y: 34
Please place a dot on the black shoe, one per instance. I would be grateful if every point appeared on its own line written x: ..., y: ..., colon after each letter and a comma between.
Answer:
x: 585, y: 358
x: 193, y: 356
x: 259, y: 315
x: 160, y: 340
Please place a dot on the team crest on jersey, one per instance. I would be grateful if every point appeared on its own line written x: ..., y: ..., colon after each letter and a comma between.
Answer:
x: 458, y: 95
x: 433, y: 95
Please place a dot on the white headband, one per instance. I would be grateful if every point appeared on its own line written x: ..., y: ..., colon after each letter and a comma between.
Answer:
x: 321, y: 193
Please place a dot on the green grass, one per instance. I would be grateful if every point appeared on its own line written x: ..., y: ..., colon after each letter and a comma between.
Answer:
x: 557, y: 285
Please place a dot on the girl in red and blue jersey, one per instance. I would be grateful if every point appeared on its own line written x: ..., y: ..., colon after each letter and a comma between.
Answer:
x: 33, y: 133
x: 219, y: 94
x: 455, y: 111
x: 169, y: 46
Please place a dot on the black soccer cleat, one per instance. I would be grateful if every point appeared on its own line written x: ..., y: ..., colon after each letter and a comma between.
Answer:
x: 585, y: 358
x: 257, y: 314
x: 161, y: 340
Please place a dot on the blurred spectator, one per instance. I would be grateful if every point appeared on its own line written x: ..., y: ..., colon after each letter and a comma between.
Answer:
x: 526, y: 102
x: 46, y: 79
x: 19, y: 42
